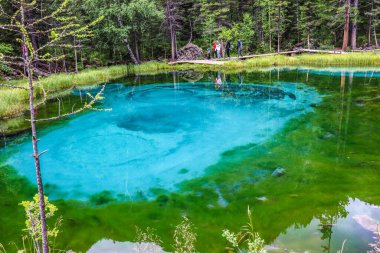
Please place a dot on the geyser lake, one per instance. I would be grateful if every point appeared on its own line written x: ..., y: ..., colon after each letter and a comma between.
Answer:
x: 207, y: 145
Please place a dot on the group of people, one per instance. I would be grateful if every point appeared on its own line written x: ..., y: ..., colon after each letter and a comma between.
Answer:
x: 217, y: 50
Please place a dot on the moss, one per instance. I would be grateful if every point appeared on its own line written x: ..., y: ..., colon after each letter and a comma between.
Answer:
x: 101, y: 198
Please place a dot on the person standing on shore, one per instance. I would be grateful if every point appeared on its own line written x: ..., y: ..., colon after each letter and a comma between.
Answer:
x: 228, y: 48
x: 214, y: 50
x: 208, y: 53
x: 218, y: 47
x: 239, y: 48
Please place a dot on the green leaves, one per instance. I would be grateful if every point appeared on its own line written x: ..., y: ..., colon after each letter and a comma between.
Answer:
x: 53, y: 35
x: 246, y: 238
x: 243, y: 30
x: 33, y: 219
x: 5, y: 48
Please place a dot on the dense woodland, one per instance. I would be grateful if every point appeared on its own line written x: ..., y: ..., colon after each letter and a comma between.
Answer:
x: 133, y: 31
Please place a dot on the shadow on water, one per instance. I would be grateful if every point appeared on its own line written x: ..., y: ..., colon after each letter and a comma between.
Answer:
x: 311, y: 185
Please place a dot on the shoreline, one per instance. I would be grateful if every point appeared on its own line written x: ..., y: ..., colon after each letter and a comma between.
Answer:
x: 13, y: 103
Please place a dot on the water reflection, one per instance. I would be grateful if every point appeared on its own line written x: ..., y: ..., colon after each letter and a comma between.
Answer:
x: 110, y: 246
x: 330, y: 158
x: 356, y: 223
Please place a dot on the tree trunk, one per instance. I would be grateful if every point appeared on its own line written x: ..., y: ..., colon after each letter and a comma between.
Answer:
x: 137, y: 49
x: 173, y: 44
x: 369, y: 32
x: 375, y: 37
x: 170, y: 18
x: 278, y: 29
x: 36, y: 155
x: 75, y: 56
x: 270, y: 29
x: 354, y: 25
x: 191, y: 32
x: 346, y: 25
x: 134, y: 59
x: 298, y: 22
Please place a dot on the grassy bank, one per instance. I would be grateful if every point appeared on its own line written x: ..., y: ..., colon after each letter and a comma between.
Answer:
x: 312, y: 60
x: 14, y: 102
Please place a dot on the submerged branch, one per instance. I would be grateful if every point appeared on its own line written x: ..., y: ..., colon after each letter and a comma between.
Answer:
x: 13, y: 86
x: 88, y: 106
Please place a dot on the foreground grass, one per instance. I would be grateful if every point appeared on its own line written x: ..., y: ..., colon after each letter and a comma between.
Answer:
x: 15, y: 102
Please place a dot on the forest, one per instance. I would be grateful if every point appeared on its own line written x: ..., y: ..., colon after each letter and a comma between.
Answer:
x: 135, y: 31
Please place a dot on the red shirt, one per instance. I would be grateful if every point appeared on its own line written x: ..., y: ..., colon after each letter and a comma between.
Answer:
x: 214, y: 46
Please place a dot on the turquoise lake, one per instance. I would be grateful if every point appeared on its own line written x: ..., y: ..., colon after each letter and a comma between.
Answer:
x: 299, y: 146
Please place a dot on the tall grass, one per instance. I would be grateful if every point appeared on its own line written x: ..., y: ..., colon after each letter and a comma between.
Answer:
x: 318, y: 60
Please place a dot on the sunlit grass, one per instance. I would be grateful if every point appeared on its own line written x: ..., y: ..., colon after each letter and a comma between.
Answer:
x: 321, y: 60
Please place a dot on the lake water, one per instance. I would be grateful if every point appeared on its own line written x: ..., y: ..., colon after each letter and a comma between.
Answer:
x: 207, y: 145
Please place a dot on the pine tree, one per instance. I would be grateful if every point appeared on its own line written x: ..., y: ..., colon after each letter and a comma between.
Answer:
x: 280, y: 20
x: 347, y: 8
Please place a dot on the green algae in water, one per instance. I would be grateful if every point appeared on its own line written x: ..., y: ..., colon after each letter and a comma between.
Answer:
x: 331, y: 162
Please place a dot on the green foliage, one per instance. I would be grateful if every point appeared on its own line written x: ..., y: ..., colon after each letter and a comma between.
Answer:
x: 5, y: 48
x: 133, y: 20
x: 5, y: 69
x: 102, y: 198
x: 246, y: 238
x: 242, y: 30
x: 33, y: 223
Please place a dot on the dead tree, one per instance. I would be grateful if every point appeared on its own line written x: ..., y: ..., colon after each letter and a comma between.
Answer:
x: 172, y: 23
x: 58, y: 29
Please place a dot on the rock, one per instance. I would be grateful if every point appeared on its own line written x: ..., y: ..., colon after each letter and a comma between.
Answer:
x: 279, y: 172
x: 329, y: 136
x: 189, y: 52
x: 262, y: 198
x: 221, y: 200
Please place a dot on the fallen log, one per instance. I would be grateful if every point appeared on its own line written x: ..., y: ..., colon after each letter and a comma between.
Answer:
x: 207, y: 62
x: 263, y: 55
x: 321, y: 51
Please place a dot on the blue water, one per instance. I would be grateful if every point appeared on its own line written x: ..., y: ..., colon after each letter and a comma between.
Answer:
x: 158, y: 135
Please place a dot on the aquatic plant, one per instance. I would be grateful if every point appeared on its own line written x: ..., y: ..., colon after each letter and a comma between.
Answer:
x: 247, y: 237
x: 184, y: 237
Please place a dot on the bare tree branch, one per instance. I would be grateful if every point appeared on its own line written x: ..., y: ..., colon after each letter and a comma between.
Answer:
x: 13, y: 86
x: 85, y: 107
